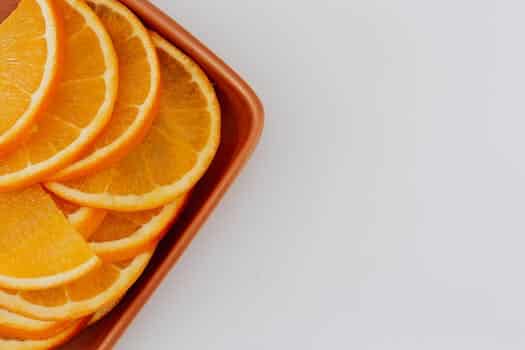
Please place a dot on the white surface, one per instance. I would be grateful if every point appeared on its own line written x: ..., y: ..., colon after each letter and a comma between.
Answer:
x: 384, y: 206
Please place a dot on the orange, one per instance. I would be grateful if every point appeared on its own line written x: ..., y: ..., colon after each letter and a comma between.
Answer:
x: 80, y: 298
x: 138, y: 89
x: 20, y: 327
x: 39, y: 248
x: 80, y: 108
x: 85, y: 220
x: 174, y: 155
x: 117, y: 236
x: 103, y: 312
x: 44, y: 344
x: 125, y: 235
x: 29, y: 59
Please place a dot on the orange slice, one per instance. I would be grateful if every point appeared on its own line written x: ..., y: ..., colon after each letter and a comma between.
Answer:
x: 175, y: 154
x: 29, y: 60
x: 80, y: 298
x: 80, y: 108
x: 85, y: 220
x: 138, y: 89
x: 44, y: 344
x: 124, y: 235
x: 103, y: 312
x: 117, y: 236
x: 39, y: 248
x: 20, y: 327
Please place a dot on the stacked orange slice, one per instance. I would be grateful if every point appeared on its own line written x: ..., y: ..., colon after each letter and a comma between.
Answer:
x: 81, y: 107
x: 30, y: 51
x: 175, y: 153
x: 108, y: 129
x: 138, y: 93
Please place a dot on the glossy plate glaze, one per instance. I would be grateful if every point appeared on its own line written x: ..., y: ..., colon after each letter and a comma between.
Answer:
x: 242, y: 124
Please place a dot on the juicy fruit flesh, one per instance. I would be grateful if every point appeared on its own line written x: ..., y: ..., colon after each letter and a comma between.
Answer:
x: 123, y: 235
x: 80, y: 108
x: 20, y: 72
x: 81, y: 297
x: 85, y: 220
x: 13, y: 325
x: 186, y: 124
x: 37, y: 240
x: 138, y: 89
x: 86, y: 287
x: 121, y: 225
x: 44, y: 344
x: 134, y: 74
x: 28, y: 66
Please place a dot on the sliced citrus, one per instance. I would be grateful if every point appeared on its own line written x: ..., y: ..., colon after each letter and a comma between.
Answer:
x: 174, y: 155
x: 125, y: 235
x: 30, y: 51
x: 138, y: 89
x: 85, y: 220
x: 20, y: 327
x: 38, y: 247
x: 44, y: 344
x: 117, y: 236
x: 103, y: 312
x: 80, y: 108
x: 79, y: 298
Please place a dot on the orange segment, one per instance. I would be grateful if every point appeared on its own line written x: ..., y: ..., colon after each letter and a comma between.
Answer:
x: 174, y: 155
x: 44, y: 344
x: 81, y: 107
x: 124, y: 235
x: 29, y: 59
x: 79, y: 298
x: 85, y: 220
x: 138, y: 89
x: 20, y: 327
x: 39, y: 248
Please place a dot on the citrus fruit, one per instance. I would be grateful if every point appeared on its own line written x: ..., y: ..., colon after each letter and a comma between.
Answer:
x: 29, y: 59
x: 20, y: 327
x: 85, y: 220
x: 139, y: 84
x: 175, y: 154
x: 80, y: 298
x: 38, y: 247
x: 125, y: 235
x: 80, y: 108
x: 103, y: 312
x: 44, y: 344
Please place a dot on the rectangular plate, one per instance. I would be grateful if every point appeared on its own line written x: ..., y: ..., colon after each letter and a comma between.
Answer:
x: 242, y: 124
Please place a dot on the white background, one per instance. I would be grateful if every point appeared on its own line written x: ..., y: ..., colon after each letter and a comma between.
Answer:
x: 384, y: 207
